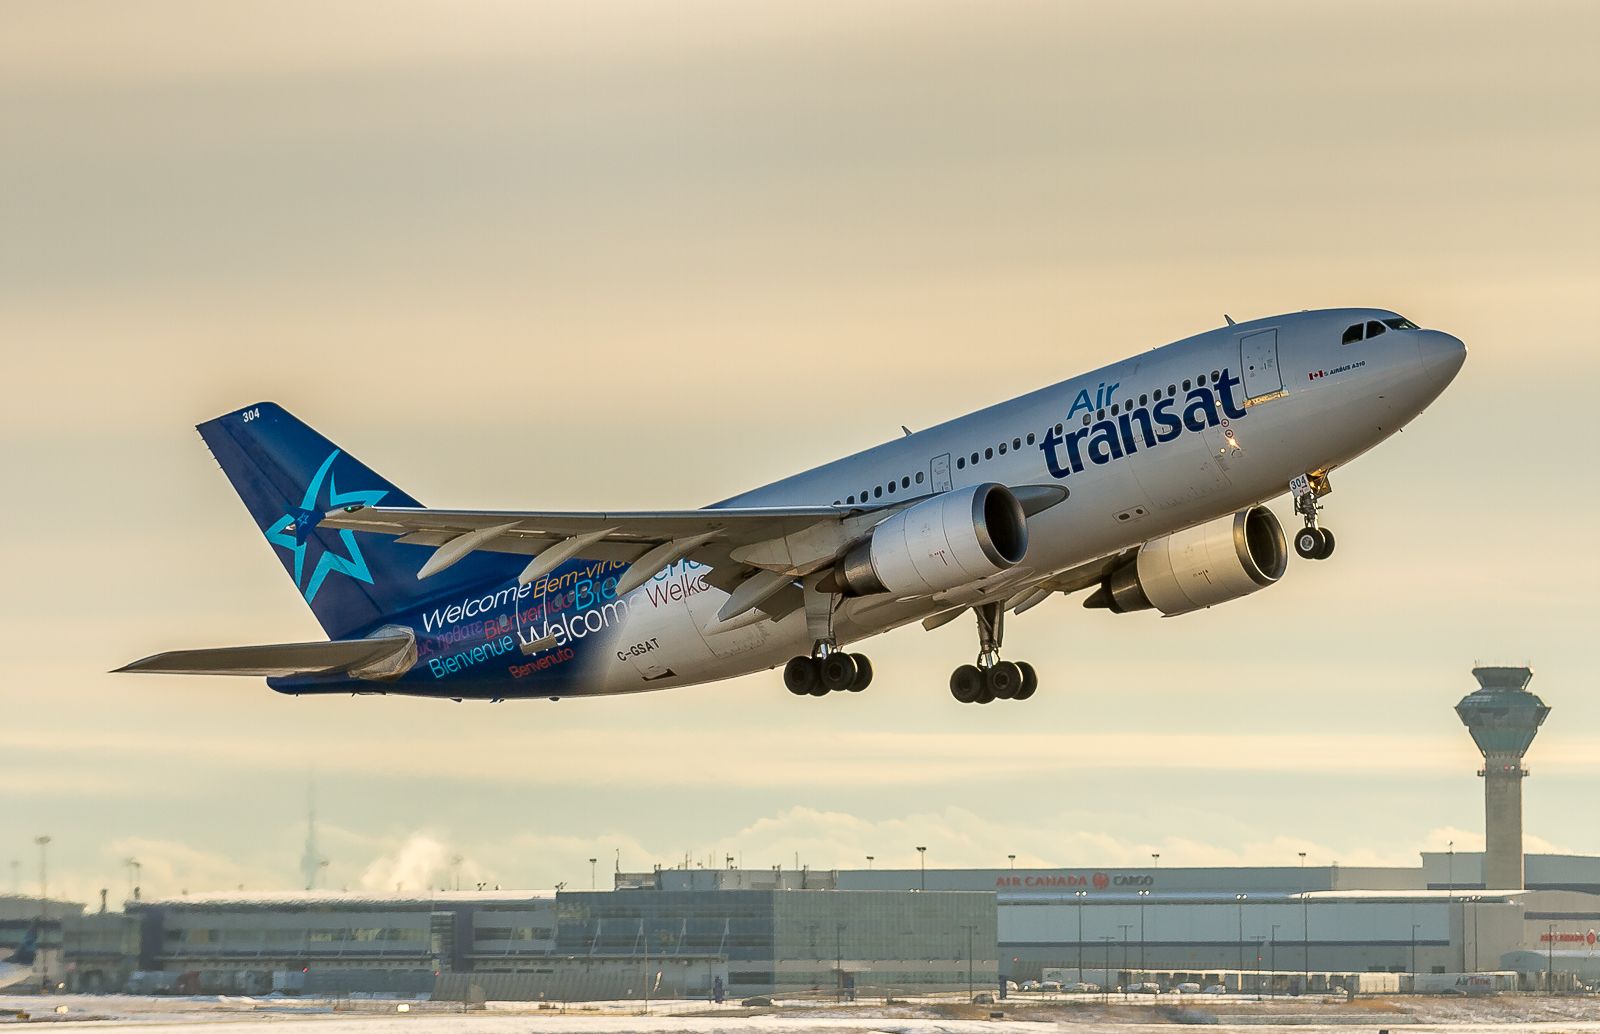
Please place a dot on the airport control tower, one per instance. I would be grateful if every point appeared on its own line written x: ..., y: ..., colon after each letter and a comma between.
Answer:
x: 1503, y: 718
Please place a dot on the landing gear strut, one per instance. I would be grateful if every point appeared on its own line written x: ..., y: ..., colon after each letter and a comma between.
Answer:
x: 992, y: 678
x: 828, y: 669
x: 1312, y: 542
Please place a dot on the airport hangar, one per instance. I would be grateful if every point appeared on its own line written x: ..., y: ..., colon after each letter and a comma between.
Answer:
x: 862, y: 931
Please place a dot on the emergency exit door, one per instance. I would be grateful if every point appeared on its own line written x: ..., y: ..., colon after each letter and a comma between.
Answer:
x: 1258, y: 361
x: 939, y: 473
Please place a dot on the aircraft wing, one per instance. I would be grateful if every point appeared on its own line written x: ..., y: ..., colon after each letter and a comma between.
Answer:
x: 755, y: 554
x: 372, y: 658
x: 759, y: 550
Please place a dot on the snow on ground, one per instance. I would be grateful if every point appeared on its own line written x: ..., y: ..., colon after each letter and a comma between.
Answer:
x: 232, y: 1015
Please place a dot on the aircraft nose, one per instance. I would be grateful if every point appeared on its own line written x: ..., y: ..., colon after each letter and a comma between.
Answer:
x: 1440, y: 354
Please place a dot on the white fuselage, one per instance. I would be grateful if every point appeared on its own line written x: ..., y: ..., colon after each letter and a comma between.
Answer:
x: 1306, y: 402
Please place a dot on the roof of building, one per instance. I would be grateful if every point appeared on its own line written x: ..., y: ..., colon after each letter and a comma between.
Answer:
x: 346, y: 899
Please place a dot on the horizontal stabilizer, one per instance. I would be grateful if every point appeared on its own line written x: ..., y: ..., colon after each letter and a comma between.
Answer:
x: 386, y: 656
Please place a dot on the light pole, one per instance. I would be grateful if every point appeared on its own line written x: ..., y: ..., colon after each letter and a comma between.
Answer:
x: 132, y: 865
x: 1080, y: 895
x: 455, y: 864
x: 1305, y: 929
x: 591, y: 873
x: 1123, y: 976
x: 1240, y: 898
x: 1475, y: 898
x: 922, y: 865
x: 838, y: 962
x: 869, y: 862
x: 1105, y: 974
x: 969, y: 928
x: 1013, y: 862
x: 1258, y: 939
x: 1550, y: 960
x: 1142, y: 895
x: 1414, y: 927
x: 1274, y: 960
x: 44, y: 909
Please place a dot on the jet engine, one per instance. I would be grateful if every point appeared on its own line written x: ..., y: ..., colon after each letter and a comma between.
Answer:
x: 950, y: 540
x: 1198, y: 567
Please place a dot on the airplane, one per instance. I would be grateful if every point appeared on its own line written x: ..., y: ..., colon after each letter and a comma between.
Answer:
x: 18, y: 966
x: 1142, y: 484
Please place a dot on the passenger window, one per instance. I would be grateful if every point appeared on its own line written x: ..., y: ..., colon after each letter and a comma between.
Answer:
x: 1202, y: 380
x: 850, y: 499
x: 905, y: 482
x: 1030, y: 437
x: 1115, y: 408
x: 1086, y: 420
x: 919, y: 477
x: 1101, y: 415
x: 1352, y: 334
x: 961, y: 463
x: 1002, y: 448
x: 1058, y: 426
x: 1185, y: 385
x: 1216, y: 375
x: 1016, y: 443
x: 988, y: 454
x: 877, y: 493
x: 1374, y: 328
x: 1172, y: 389
x: 1143, y: 399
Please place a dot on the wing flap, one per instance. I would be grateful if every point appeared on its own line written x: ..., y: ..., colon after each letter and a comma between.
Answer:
x: 378, y: 657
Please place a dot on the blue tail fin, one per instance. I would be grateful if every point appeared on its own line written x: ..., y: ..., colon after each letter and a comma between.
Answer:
x: 288, y: 476
x: 28, y: 949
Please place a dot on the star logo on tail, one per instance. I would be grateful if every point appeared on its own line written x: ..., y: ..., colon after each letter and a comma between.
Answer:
x: 293, y: 531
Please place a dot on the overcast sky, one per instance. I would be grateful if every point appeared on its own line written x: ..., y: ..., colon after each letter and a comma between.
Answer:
x: 643, y: 255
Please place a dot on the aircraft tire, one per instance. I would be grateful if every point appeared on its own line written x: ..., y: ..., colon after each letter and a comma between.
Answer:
x: 800, y: 675
x: 863, y: 677
x: 966, y: 683
x: 1003, y: 680
x: 838, y: 671
x: 1327, y: 544
x: 1308, y: 543
x: 1030, y: 681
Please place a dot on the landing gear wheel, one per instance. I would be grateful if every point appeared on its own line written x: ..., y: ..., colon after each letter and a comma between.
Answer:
x: 838, y: 671
x: 1308, y: 542
x: 1003, y: 680
x: 1030, y: 681
x: 801, y: 676
x: 1327, y: 544
x: 863, y: 677
x: 967, y: 683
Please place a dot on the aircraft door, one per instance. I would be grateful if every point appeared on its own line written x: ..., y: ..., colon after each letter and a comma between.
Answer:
x: 939, y: 473
x: 1258, y: 363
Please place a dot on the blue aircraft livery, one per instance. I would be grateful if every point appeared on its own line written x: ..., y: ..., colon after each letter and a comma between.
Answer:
x: 1144, y: 485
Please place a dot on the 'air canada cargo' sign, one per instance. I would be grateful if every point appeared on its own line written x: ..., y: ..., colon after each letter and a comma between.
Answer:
x: 1098, y: 881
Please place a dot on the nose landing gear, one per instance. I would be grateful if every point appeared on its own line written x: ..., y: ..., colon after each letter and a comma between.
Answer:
x: 1312, y: 542
x: 991, y: 678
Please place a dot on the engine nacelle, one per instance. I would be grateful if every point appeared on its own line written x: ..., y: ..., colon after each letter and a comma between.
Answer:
x: 1198, y: 567
x: 950, y: 540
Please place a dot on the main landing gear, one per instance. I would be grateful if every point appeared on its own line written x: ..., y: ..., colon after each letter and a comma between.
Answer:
x: 1311, y: 542
x: 829, y: 671
x: 991, y: 678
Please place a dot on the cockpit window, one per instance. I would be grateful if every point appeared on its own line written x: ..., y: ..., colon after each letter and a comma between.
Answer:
x: 1374, y: 328
x: 1400, y: 323
x: 1352, y: 334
